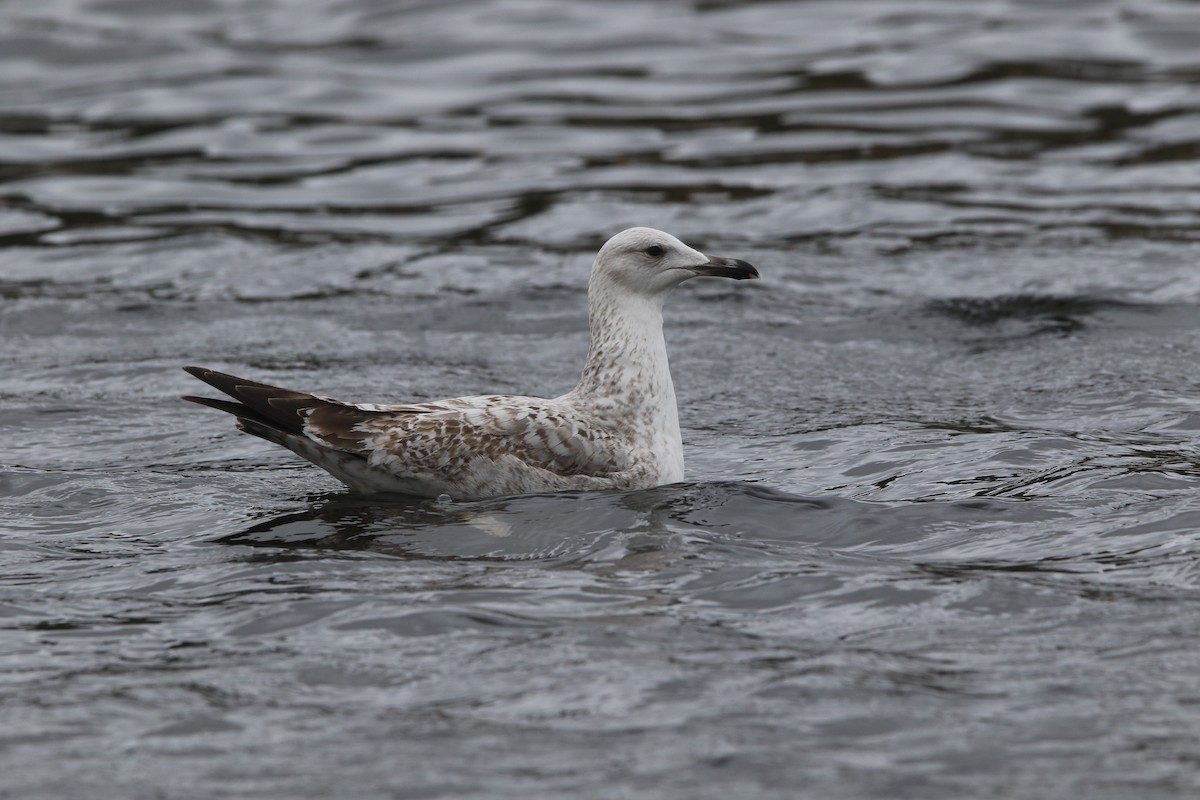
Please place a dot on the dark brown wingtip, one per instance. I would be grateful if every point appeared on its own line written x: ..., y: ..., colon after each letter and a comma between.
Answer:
x: 221, y: 405
x: 231, y: 384
x: 217, y: 380
x: 199, y: 372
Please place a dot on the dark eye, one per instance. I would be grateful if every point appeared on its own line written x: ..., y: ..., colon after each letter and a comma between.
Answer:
x: 654, y: 251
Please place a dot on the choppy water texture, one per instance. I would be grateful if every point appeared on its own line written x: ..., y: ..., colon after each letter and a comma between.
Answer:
x: 942, y: 532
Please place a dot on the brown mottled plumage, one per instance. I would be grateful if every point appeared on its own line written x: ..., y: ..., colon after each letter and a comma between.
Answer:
x: 618, y: 429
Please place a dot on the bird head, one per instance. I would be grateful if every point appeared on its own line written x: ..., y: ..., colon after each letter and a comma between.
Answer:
x: 648, y: 262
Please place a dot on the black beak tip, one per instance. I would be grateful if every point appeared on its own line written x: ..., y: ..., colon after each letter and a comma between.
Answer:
x: 735, y: 268
x: 748, y: 270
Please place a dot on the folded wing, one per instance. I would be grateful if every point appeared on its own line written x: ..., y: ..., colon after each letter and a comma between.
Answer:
x: 445, y: 442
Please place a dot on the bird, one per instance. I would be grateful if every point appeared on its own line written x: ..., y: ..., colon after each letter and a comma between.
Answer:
x: 617, y: 429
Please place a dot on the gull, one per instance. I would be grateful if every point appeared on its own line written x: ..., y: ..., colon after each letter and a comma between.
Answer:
x: 617, y: 429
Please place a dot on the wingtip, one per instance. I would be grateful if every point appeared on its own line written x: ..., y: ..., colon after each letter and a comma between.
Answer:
x: 256, y: 428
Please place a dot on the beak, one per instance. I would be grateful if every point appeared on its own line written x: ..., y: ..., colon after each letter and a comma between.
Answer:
x: 719, y: 267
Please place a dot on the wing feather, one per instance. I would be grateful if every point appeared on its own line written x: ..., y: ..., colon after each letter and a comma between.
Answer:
x: 448, y: 439
x: 460, y: 438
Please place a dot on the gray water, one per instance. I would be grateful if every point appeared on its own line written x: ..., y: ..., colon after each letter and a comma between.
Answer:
x: 941, y: 535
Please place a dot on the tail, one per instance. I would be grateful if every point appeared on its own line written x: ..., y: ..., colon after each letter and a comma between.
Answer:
x: 323, y: 431
x: 277, y: 414
x: 264, y: 410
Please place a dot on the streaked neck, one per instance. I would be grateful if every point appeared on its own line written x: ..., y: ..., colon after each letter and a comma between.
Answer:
x: 627, y: 355
x: 626, y: 379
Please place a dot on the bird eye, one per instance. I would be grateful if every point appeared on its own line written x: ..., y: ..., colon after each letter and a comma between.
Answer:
x: 654, y: 251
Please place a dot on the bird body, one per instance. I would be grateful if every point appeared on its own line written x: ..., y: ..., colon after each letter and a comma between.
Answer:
x: 617, y: 429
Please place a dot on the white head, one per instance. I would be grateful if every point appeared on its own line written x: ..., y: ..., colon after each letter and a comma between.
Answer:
x: 650, y: 263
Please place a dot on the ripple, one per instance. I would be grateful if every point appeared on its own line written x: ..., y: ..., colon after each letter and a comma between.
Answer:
x: 940, y: 538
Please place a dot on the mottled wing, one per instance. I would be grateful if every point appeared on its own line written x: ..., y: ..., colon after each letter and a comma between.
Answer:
x: 449, y: 440
x: 455, y: 437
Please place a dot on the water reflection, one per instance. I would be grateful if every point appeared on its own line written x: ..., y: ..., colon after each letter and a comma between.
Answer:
x: 570, y: 528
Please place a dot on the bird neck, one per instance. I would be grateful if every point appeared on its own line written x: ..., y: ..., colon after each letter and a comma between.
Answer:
x: 626, y: 379
x: 628, y: 355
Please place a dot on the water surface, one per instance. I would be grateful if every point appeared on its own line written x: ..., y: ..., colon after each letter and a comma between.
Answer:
x: 941, y: 528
